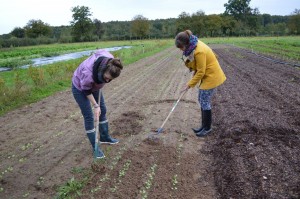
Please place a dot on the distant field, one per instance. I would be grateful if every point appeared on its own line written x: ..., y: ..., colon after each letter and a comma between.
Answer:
x: 24, y: 86
x: 287, y: 48
x: 18, y: 56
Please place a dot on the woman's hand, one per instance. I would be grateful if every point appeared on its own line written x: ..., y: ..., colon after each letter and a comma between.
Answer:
x: 96, y: 113
x: 187, y: 87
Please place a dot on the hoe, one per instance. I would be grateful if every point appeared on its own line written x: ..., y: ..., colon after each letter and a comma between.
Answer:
x: 160, y: 130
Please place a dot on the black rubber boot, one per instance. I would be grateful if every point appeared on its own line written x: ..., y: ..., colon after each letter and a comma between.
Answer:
x: 207, y: 119
x: 104, y: 136
x: 97, y: 152
x: 197, y: 130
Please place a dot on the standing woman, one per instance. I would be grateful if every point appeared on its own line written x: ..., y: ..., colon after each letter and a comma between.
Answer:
x: 90, y: 76
x: 207, y: 72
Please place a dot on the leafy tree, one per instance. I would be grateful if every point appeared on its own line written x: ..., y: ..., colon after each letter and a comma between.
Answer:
x: 169, y: 28
x: 266, y: 19
x: 198, y: 23
x: 183, y: 22
x: 82, y: 25
x: 99, y: 30
x: 228, y: 25
x: 239, y: 9
x: 140, y: 26
x: 156, y: 28
x: 37, y: 28
x: 253, y: 21
x: 294, y: 22
x: 213, y: 24
x: 63, y: 34
x: 18, y: 32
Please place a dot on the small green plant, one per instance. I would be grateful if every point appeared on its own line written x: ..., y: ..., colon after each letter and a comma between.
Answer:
x: 148, y: 183
x: 124, y: 169
x: 113, y: 189
x: 40, y: 181
x: 107, y: 150
x: 52, y: 71
x: 77, y: 170
x: 9, y: 169
x: 22, y: 159
x: 174, y: 182
x: 106, y: 177
x: 26, y: 146
x: 70, y: 68
x: 2, y: 84
x: 19, y: 81
x: 70, y: 189
x: 37, y: 75
x: 98, y: 188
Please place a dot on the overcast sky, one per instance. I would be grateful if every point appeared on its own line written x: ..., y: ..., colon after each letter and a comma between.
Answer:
x: 16, y: 13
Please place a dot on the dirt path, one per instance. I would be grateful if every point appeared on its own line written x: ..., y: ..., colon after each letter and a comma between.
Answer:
x: 251, y: 154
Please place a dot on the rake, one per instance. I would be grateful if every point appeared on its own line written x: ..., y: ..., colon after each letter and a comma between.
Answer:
x: 160, y: 130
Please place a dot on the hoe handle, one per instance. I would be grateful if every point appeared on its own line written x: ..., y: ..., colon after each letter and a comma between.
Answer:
x: 97, y: 120
x: 182, y: 94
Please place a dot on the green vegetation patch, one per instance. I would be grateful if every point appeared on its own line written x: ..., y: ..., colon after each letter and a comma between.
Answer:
x: 287, y: 48
x: 24, y: 86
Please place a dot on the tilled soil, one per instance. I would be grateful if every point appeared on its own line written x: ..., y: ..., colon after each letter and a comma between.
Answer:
x: 251, y: 153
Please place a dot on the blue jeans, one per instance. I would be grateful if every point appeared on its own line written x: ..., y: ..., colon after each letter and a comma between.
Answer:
x: 86, y: 108
x: 204, y: 98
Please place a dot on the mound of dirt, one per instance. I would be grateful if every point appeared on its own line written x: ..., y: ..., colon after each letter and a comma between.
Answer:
x: 153, y: 140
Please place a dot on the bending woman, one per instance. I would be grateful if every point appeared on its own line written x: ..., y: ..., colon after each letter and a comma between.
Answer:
x: 207, y: 73
x: 90, y: 76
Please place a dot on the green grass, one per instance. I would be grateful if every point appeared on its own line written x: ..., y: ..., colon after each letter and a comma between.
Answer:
x: 71, y: 189
x: 18, y: 56
x: 24, y: 86
x: 287, y: 48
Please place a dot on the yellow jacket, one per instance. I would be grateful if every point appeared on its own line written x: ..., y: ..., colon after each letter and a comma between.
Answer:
x: 207, y: 68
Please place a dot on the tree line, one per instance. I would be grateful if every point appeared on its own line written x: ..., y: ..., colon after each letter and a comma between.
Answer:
x: 239, y: 19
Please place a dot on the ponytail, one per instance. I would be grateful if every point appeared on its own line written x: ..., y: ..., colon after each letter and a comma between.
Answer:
x: 182, y: 39
x: 114, y: 67
x: 188, y: 32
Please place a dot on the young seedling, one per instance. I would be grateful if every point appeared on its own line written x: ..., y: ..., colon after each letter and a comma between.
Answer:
x: 22, y: 159
x: 174, y: 182
x: 98, y: 188
x: 25, y: 195
x: 125, y: 168
x: 148, y: 183
x: 26, y: 146
x: 106, y: 177
x: 9, y: 169
x: 113, y: 189
x: 40, y: 181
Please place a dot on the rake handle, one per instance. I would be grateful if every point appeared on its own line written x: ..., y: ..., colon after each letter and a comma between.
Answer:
x: 161, y: 128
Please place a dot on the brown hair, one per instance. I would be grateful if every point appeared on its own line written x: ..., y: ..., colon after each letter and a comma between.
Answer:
x: 182, y: 39
x: 114, y: 67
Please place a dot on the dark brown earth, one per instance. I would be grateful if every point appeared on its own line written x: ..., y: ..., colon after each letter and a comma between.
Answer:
x: 251, y: 153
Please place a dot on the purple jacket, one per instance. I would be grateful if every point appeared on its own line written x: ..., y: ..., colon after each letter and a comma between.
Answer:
x: 83, y: 75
